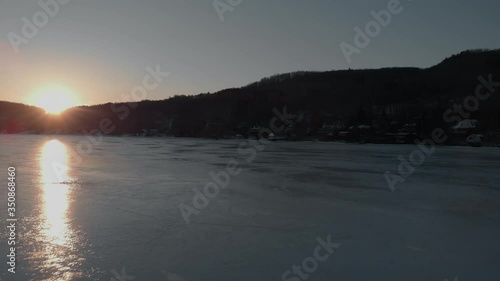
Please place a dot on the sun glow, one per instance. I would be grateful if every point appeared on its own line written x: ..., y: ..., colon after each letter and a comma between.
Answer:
x: 54, y: 99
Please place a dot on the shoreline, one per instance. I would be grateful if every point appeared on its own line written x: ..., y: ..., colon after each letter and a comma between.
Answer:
x: 242, y: 139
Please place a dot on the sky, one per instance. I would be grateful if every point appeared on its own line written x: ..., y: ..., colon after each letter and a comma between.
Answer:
x: 98, y: 50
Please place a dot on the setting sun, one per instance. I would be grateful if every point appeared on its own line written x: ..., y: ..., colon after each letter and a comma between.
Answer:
x: 54, y: 99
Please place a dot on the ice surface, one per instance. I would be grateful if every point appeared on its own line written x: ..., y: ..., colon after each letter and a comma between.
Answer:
x: 119, y: 209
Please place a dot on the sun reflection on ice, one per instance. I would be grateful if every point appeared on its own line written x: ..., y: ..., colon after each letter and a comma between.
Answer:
x: 56, y: 233
x: 54, y: 171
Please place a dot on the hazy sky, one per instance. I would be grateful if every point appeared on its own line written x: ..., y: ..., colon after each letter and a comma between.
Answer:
x: 100, y: 48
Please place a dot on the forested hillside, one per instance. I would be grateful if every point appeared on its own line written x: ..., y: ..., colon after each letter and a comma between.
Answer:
x: 381, y: 98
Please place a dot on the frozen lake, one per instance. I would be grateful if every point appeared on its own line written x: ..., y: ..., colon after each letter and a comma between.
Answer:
x: 116, y: 210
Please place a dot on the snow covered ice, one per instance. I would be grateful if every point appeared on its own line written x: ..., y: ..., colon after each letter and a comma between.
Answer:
x: 115, y: 212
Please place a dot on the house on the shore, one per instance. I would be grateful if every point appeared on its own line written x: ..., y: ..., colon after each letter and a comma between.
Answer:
x: 463, y: 129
